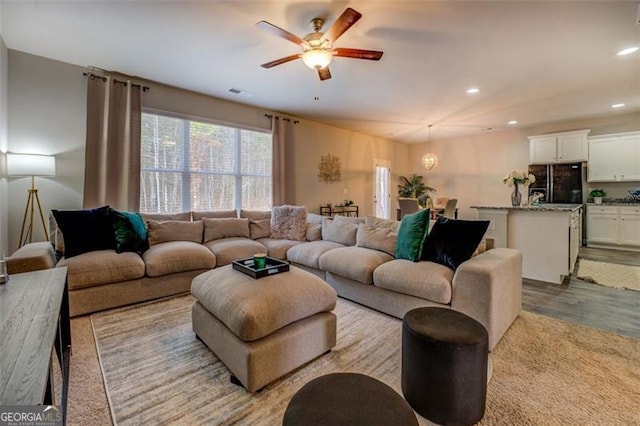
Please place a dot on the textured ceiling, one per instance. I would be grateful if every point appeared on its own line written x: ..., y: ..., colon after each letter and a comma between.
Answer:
x: 534, y: 61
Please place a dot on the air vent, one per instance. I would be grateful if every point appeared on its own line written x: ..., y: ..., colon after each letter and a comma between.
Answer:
x: 240, y: 92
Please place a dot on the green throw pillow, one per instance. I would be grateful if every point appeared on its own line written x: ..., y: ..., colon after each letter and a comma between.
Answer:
x: 130, y: 231
x: 411, y: 235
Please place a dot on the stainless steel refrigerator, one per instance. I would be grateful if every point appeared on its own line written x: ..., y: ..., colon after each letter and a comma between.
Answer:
x: 559, y: 183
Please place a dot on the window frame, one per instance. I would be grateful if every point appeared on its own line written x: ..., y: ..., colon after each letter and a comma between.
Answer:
x: 186, y: 173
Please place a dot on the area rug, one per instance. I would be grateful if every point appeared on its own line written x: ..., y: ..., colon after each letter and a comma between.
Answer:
x: 609, y: 274
x: 545, y: 371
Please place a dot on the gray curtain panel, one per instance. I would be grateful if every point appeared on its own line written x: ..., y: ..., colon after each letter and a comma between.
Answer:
x: 112, y: 158
x: 282, y: 174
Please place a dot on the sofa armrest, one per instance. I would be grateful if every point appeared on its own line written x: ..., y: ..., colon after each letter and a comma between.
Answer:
x: 488, y: 288
x: 32, y: 257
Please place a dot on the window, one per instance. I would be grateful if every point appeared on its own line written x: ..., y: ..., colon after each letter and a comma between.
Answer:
x: 196, y: 165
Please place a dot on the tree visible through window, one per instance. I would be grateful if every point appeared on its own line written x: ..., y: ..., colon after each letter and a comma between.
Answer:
x: 195, y: 165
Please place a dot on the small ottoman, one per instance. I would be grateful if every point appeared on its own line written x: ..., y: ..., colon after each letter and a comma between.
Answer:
x: 348, y: 399
x: 444, y: 365
x: 262, y: 329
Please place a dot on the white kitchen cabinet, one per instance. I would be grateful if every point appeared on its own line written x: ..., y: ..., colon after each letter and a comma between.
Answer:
x: 613, y: 226
x: 614, y: 158
x: 630, y: 226
x: 565, y: 147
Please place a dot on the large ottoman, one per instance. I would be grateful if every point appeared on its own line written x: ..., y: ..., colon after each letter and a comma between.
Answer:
x: 262, y: 329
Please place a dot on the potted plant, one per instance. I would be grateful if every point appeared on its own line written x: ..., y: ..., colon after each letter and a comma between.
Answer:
x: 597, y: 195
x: 413, y: 187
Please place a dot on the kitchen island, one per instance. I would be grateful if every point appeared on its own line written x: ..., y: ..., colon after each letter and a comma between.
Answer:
x: 548, y: 236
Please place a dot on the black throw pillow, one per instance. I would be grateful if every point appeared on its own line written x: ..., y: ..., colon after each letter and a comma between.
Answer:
x: 451, y: 241
x: 85, y: 230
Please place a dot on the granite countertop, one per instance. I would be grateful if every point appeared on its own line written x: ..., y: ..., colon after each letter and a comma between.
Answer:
x: 617, y: 203
x: 628, y: 201
x: 550, y: 207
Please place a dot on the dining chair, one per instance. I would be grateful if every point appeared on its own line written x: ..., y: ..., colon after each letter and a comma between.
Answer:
x: 450, y: 208
x: 408, y: 205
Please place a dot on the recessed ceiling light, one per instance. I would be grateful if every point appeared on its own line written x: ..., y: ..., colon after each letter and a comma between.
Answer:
x: 628, y: 51
x: 617, y: 105
x: 473, y: 91
x: 512, y: 122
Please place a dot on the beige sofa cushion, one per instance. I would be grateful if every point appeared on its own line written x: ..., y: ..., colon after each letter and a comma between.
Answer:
x: 166, y: 216
x: 314, y: 232
x: 278, y: 248
x: 215, y: 229
x: 102, y: 267
x: 382, y: 239
x: 32, y: 257
x: 214, y: 214
x: 177, y: 256
x: 174, y: 230
x: 252, y: 308
x: 255, y: 214
x: 355, y: 263
x: 340, y: 231
x: 348, y: 219
x: 234, y: 248
x: 308, y: 254
x: 315, y: 218
x: 426, y: 280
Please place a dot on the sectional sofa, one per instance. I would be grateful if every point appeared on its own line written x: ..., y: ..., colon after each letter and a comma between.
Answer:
x: 354, y: 255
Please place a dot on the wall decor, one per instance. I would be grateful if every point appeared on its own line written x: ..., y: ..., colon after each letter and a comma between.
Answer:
x: 329, y: 169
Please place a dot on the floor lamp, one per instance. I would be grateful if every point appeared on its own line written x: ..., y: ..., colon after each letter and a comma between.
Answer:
x: 31, y: 165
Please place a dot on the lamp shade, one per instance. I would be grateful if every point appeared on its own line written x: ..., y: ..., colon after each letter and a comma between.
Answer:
x: 31, y: 165
x: 317, y: 58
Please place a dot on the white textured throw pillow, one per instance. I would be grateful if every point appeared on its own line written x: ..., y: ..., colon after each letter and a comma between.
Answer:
x: 289, y: 222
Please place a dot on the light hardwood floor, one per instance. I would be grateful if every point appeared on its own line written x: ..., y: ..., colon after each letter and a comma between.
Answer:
x: 586, y: 303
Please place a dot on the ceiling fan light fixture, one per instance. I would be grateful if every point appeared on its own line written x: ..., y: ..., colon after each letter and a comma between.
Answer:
x: 317, y: 58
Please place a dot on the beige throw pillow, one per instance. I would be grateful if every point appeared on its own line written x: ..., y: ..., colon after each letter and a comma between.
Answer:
x: 381, y: 239
x: 341, y: 232
x: 255, y: 214
x: 378, y: 222
x: 314, y: 232
x: 215, y: 229
x: 174, y: 230
x: 260, y: 228
x: 289, y: 222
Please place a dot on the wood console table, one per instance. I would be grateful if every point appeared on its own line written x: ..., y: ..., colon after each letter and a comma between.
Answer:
x: 351, y: 211
x: 34, y: 321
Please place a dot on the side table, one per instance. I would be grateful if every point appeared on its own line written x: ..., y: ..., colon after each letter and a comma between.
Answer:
x: 34, y: 321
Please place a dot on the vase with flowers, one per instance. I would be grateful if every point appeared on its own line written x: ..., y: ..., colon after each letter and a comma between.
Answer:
x: 518, y: 177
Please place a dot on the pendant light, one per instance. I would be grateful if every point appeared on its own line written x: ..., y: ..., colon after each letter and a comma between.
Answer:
x: 429, y: 160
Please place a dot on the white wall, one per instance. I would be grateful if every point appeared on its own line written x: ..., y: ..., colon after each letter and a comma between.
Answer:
x: 46, y: 115
x: 471, y: 168
x: 4, y: 200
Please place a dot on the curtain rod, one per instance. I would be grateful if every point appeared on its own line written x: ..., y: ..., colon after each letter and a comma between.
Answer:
x: 269, y: 116
x: 92, y: 75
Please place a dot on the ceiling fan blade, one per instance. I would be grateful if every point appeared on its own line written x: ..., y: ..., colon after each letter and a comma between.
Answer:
x: 280, y: 33
x: 324, y: 73
x: 281, y: 61
x: 373, y: 55
x: 342, y: 24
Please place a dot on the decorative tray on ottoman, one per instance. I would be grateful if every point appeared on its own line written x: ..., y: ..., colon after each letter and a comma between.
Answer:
x: 274, y: 266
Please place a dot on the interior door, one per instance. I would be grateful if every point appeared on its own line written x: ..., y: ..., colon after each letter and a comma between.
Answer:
x: 382, y: 189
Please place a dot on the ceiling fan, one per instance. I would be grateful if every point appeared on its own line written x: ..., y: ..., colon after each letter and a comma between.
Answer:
x: 317, y: 47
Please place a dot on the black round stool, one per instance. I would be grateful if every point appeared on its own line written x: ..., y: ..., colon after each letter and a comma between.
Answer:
x: 444, y: 365
x: 348, y: 399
